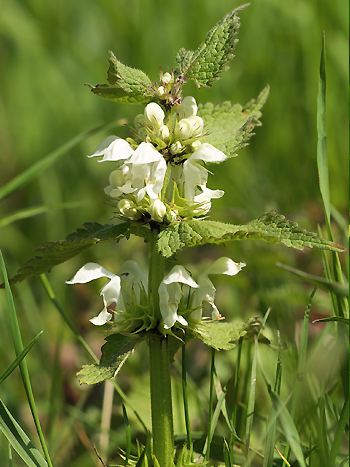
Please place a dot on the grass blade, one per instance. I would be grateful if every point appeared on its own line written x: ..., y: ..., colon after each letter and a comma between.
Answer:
x: 322, y: 162
x: 320, y: 282
x: 340, y: 432
x: 184, y: 395
x: 289, y: 429
x: 211, y: 401
x: 18, y: 345
x: 47, y: 161
x: 5, y: 374
x: 251, y: 397
x: 19, y: 440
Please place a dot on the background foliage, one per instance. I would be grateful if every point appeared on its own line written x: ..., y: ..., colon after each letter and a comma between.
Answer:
x: 47, y: 52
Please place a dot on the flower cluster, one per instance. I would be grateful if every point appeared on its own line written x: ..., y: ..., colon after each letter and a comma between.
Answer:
x: 160, y: 172
x: 182, y: 299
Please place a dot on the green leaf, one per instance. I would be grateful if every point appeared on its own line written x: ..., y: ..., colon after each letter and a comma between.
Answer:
x: 53, y: 253
x: 205, y: 64
x: 130, y: 80
x: 218, y: 334
x: 322, y: 161
x: 271, y: 227
x: 5, y: 374
x: 117, y: 95
x: 19, y: 440
x: 230, y: 126
x: 320, y: 282
x: 126, y: 84
x: 115, y: 352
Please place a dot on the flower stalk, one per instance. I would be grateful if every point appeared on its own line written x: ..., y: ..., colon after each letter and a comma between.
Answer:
x: 162, y: 412
x: 160, y: 381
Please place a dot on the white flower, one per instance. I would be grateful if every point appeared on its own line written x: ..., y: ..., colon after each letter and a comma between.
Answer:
x: 154, y: 114
x: 170, y: 294
x: 113, y: 149
x: 148, y: 168
x: 191, y: 127
x: 187, y: 108
x: 110, y: 292
x: 195, y: 175
x: 204, y: 199
x: 142, y: 174
x: 206, y: 290
x: 157, y: 210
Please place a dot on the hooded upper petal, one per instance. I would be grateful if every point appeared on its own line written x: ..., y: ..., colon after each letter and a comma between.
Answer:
x: 145, y: 153
x: 113, y: 149
x: 90, y: 272
x: 180, y: 275
x: 208, y: 153
x: 225, y: 266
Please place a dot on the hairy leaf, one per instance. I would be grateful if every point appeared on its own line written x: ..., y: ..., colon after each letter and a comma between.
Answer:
x: 205, y: 64
x: 230, y: 126
x: 53, y: 253
x: 115, y: 352
x: 117, y: 95
x: 218, y: 334
x: 271, y: 227
x: 126, y: 84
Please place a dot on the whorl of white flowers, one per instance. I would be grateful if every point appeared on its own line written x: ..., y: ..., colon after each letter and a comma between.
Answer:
x: 160, y: 174
x: 181, y: 298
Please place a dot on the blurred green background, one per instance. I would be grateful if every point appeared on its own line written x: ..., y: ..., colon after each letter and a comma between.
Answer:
x: 49, y: 50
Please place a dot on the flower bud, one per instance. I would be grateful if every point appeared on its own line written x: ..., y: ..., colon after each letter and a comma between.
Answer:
x: 187, y: 108
x: 167, y: 78
x: 191, y: 127
x: 171, y: 216
x: 127, y: 209
x: 157, y: 210
x: 164, y: 132
x: 176, y: 148
x: 161, y: 91
x: 154, y: 114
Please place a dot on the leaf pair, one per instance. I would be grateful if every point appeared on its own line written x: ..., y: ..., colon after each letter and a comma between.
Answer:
x: 271, y: 227
x: 203, y: 66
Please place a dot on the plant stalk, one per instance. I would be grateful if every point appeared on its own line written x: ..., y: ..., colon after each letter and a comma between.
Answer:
x: 160, y: 381
x: 162, y: 413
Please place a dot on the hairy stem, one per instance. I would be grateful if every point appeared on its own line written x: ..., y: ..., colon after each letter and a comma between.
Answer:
x: 162, y: 413
x: 160, y: 381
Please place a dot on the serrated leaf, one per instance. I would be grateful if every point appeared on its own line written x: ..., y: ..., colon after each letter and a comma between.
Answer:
x: 218, y: 334
x: 117, y: 95
x: 205, y: 64
x: 230, y: 126
x: 53, y: 253
x: 115, y: 352
x: 271, y: 227
x: 126, y: 84
x: 130, y: 80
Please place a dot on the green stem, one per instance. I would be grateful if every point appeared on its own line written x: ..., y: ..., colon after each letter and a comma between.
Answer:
x: 184, y: 394
x: 162, y: 413
x: 160, y: 381
x: 211, y: 401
